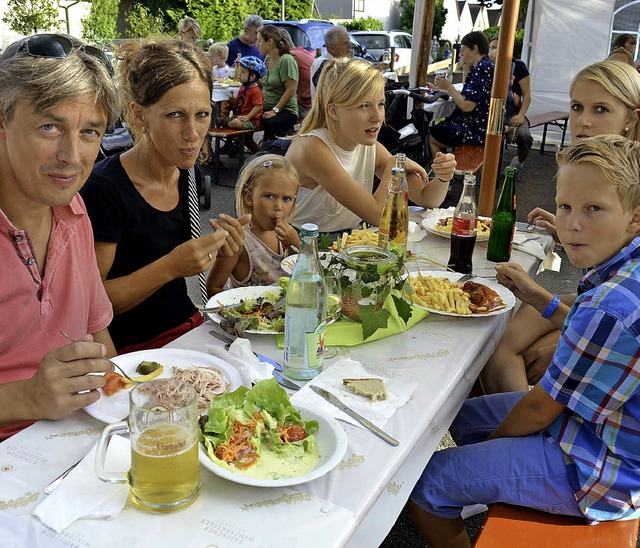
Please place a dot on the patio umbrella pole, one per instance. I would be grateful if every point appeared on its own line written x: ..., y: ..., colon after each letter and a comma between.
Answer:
x: 495, y: 125
x: 424, y: 10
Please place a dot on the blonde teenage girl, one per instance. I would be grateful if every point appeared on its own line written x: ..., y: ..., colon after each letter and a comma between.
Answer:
x: 267, y: 189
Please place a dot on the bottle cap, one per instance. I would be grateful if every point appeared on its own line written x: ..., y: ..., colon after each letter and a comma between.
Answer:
x: 309, y: 229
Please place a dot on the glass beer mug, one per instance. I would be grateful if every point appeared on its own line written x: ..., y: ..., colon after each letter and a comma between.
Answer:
x: 163, y: 429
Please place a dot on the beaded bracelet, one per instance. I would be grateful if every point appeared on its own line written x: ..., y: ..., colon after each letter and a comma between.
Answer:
x: 551, y: 307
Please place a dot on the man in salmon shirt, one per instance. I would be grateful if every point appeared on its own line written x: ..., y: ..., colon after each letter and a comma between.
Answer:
x: 57, y: 98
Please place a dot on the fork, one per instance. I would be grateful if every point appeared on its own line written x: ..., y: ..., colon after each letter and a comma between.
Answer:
x: 110, y: 361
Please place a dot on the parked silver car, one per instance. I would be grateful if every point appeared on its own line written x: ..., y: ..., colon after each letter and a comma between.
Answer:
x: 379, y: 41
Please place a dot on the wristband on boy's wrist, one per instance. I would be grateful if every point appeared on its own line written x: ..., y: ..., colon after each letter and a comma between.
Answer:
x: 551, y: 307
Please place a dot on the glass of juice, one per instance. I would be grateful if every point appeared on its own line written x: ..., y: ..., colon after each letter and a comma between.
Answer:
x: 163, y: 429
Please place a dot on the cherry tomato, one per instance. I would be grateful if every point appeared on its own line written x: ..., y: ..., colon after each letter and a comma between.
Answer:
x: 293, y: 433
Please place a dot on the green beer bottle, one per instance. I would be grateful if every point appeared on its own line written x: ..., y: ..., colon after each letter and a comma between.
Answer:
x: 503, y: 221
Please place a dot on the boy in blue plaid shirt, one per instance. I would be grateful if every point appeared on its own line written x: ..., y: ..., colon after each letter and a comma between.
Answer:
x: 569, y: 445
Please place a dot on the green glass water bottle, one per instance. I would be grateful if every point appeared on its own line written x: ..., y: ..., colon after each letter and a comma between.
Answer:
x: 503, y: 221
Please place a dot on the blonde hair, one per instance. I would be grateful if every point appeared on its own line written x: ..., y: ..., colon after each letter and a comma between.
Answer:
x: 148, y: 70
x: 617, y: 158
x: 254, y: 169
x: 189, y: 23
x: 345, y: 83
x: 219, y: 49
x: 618, y: 79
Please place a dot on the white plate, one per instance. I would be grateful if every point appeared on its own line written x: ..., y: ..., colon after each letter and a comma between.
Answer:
x: 289, y: 262
x: 116, y: 407
x: 234, y: 296
x: 330, y: 439
x: 430, y: 223
x: 508, y: 298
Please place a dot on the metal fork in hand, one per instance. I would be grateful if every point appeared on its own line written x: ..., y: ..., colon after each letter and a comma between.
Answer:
x: 111, y: 362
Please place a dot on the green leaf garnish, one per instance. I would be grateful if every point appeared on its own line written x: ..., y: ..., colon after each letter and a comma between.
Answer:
x: 373, y: 319
x: 402, y: 307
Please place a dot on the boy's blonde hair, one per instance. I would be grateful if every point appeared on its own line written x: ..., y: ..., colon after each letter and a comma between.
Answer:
x: 620, y: 80
x: 254, y: 169
x: 345, y: 83
x: 617, y: 158
x: 219, y: 49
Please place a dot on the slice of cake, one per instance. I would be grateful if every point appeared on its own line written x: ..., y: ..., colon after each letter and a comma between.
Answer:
x: 372, y: 388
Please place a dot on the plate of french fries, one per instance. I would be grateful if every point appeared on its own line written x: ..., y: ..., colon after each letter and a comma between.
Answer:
x: 358, y: 236
x: 441, y: 226
x: 439, y: 292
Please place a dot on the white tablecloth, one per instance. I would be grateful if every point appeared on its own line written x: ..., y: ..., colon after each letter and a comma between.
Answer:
x: 355, y: 504
x: 221, y: 93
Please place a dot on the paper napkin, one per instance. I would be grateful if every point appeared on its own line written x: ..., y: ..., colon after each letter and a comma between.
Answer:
x: 83, y: 495
x: 241, y: 356
x: 399, y: 391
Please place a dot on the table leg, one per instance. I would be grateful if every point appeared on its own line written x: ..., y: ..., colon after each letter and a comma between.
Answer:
x: 216, y: 161
x: 544, y: 138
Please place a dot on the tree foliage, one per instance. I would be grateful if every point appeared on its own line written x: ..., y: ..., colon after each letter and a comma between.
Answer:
x: 100, y: 23
x: 141, y: 22
x: 364, y: 23
x: 439, y: 17
x: 31, y: 16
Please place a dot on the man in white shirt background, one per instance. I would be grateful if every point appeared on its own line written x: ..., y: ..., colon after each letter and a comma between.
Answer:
x: 337, y: 44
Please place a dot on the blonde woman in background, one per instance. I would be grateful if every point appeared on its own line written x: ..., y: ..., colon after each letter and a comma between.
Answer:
x: 189, y: 31
x: 337, y: 154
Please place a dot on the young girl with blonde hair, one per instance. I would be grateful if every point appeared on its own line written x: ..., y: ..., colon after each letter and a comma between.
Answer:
x: 266, y: 189
x: 337, y: 154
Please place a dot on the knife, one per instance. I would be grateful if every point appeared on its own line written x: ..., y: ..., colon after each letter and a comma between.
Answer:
x: 225, y: 337
x: 364, y: 422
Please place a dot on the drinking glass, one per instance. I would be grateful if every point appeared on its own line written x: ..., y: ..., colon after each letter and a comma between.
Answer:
x: 163, y: 430
x: 334, y: 296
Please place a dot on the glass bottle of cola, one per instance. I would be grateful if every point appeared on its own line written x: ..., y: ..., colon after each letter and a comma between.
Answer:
x: 465, y: 226
x: 503, y: 221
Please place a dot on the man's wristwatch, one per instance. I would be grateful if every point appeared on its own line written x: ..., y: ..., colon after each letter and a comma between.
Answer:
x: 276, y: 110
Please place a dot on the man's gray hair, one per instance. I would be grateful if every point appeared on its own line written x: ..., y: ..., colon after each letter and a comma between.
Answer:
x: 50, y: 81
x: 333, y: 35
x: 254, y: 21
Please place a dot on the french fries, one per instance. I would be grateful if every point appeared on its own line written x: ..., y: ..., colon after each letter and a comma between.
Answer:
x: 484, y: 226
x: 440, y: 294
x: 357, y: 237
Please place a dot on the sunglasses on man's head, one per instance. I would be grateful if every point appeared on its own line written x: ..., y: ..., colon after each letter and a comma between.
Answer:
x: 59, y: 47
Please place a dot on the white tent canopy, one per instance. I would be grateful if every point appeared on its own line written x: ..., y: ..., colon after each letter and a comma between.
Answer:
x: 562, y: 37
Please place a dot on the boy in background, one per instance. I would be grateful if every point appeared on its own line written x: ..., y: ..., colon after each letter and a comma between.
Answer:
x: 569, y: 445
x: 248, y: 105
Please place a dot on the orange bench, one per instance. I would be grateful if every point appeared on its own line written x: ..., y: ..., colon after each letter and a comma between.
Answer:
x: 555, y: 118
x: 469, y: 158
x: 510, y: 526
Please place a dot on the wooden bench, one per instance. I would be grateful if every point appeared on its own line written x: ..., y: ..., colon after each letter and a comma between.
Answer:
x: 216, y: 136
x: 510, y: 526
x: 469, y: 158
x: 555, y: 118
